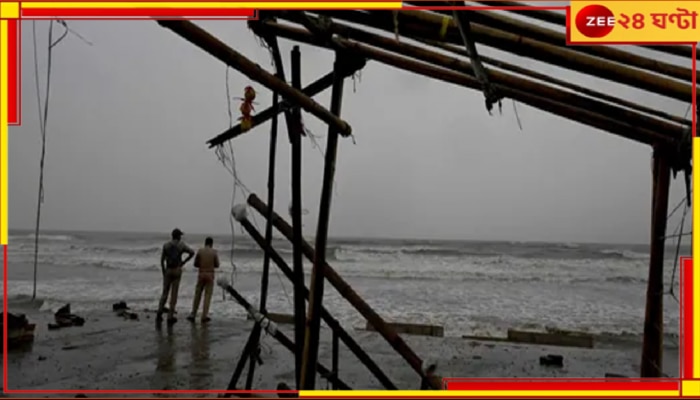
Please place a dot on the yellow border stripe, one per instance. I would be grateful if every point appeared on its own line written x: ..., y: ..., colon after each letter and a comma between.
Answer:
x: 489, y: 393
x: 3, y: 131
x: 696, y: 265
x: 256, y: 5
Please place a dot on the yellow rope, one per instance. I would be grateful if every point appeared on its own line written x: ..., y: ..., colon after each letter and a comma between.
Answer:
x: 445, y: 24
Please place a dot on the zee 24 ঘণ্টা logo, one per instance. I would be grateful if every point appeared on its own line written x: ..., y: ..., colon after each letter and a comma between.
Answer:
x: 596, y: 21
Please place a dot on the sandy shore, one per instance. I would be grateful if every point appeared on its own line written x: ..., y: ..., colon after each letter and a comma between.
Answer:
x: 110, y: 352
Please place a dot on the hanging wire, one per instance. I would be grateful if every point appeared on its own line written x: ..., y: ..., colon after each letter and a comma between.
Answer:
x: 43, y: 118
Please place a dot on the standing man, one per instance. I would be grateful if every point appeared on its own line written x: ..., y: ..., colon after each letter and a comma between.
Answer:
x: 206, y: 261
x: 171, y: 264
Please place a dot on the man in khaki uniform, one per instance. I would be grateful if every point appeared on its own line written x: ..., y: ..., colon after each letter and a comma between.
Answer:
x: 206, y: 261
x: 171, y: 264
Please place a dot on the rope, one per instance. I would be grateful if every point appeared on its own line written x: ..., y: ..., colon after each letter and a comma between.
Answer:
x: 43, y: 119
x: 678, y: 249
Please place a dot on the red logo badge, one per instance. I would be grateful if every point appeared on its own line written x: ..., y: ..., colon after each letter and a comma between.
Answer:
x: 595, y: 21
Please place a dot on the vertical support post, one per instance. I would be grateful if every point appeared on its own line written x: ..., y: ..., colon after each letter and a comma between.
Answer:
x: 247, y: 350
x: 652, y: 347
x: 264, y: 282
x: 310, y: 360
x: 297, y: 258
x: 334, y: 360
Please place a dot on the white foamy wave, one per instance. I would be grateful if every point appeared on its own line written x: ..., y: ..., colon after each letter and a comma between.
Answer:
x: 42, y: 237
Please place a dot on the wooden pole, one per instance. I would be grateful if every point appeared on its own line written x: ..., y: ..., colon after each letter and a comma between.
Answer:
x: 332, y: 323
x: 334, y: 361
x: 652, y: 347
x: 272, y: 330
x: 247, y: 350
x: 313, y: 89
x: 539, y: 33
x: 264, y: 280
x: 238, y: 61
x: 560, y: 19
x: 428, y: 26
x: 317, y: 273
x: 501, y: 78
x: 295, y: 133
x: 540, y: 100
x: 345, y: 290
x: 558, y: 82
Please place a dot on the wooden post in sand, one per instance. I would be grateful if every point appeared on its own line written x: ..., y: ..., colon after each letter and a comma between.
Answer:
x: 264, y: 283
x: 272, y: 330
x: 247, y: 350
x: 345, y: 290
x: 308, y: 378
x: 295, y: 133
x: 332, y: 323
x: 652, y: 347
x: 334, y: 360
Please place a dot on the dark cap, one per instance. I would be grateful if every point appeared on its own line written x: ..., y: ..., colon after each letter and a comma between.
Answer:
x: 177, y: 233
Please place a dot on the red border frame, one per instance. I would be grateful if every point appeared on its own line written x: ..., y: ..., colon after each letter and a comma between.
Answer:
x: 14, y: 106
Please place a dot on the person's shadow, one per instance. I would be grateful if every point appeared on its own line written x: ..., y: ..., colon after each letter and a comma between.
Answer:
x: 201, y: 374
x: 164, y: 377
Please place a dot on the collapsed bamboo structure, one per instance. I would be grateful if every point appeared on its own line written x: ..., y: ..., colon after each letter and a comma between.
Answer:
x: 442, y: 45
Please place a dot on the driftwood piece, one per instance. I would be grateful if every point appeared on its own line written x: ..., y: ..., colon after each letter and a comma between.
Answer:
x: 238, y: 61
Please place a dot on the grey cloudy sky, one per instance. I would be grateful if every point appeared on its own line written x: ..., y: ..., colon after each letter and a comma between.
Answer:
x: 129, y: 117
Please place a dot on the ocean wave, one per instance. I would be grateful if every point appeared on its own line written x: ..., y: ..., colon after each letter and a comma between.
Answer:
x: 31, y: 236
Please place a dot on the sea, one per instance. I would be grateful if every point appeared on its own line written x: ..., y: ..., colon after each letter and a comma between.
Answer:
x: 469, y: 287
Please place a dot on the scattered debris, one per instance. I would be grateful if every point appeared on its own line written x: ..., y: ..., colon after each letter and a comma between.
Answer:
x: 552, y: 360
x: 283, y: 386
x: 19, y: 331
x: 64, y: 319
x: 609, y: 375
x: 121, y: 306
x: 122, y: 310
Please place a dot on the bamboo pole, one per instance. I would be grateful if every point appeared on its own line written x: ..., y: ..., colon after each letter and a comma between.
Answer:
x: 429, y: 25
x: 295, y: 133
x: 312, y: 90
x: 334, y: 356
x: 245, y: 355
x: 538, y: 100
x: 272, y: 330
x: 272, y: 157
x: 652, y: 347
x: 317, y: 273
x: 560, y: 19
x: 498, y: 77
x: 238, y: 61
x: 345, y: 290
x: 518, y: 27
x: 558, y: 82
x: 332, y: 323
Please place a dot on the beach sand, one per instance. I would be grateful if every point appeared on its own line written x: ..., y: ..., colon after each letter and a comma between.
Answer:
x: 110, y: 352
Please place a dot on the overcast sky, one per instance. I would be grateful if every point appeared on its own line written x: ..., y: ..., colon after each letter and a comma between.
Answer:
x: 129, y: 117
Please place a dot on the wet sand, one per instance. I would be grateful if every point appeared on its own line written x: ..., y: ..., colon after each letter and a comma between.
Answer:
x: 110, y: 352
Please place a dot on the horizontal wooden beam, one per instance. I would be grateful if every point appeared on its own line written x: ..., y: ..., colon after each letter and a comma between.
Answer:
x: 238, y: 61
x: 316, y: 87
x: 573, y: 112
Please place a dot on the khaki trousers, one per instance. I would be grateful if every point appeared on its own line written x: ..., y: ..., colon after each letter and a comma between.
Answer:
x: 205, y: 283
x: 171, y: 284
